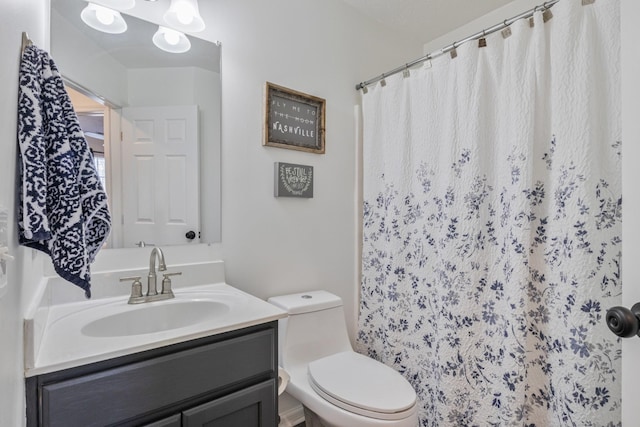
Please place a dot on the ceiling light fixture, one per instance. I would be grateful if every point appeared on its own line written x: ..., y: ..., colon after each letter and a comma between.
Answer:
x: 171, y: 40
x: 184, y: 15
x: 118, y: 4
x: 103, y: 19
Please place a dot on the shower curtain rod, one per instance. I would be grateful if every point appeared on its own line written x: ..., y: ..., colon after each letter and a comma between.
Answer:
x: 479, y: 34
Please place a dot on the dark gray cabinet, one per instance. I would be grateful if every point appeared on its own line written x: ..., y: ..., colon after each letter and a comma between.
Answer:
x: 172, y: 421
x: 226, y: 380
x: 243, y: 408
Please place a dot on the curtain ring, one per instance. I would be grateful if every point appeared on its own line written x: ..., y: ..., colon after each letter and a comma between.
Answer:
x: 453, y: 52
x: 482, y: 41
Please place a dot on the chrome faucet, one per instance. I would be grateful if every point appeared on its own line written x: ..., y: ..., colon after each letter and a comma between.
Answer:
x: 152, y: 288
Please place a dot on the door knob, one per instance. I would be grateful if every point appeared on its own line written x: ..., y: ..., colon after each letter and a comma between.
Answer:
x: 190, y: 235
x: 623, y: 322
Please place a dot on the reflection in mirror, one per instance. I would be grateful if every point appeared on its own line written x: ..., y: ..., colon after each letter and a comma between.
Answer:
x: 152, y: 119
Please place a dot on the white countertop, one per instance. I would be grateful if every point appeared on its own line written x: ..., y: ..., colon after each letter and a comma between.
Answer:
x: 61, y: 344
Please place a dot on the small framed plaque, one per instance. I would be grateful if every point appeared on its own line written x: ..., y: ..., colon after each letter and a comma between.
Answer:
x: 293, y: 180
x: 293, y: 120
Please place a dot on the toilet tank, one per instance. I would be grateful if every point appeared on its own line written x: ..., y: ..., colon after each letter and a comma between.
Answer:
x: 315, y: 328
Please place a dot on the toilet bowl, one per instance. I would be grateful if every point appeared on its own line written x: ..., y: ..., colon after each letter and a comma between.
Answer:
x: 341, y: 387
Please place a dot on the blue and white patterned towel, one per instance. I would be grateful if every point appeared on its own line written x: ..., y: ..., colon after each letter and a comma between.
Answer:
x: 62, y: 206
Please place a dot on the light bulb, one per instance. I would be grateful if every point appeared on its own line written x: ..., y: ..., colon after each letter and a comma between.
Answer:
x: 185, y: 14
x: 104, y: 15
x: 103, y: 19
x: 172, y: 37
x: 171, y: 40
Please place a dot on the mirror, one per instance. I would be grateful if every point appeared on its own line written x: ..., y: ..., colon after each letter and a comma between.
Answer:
x: 129, y: 95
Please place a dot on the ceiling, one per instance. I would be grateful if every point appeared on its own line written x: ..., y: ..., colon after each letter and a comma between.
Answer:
x: 421, y: 20
x: 425, y: 20
x: 134, y: 48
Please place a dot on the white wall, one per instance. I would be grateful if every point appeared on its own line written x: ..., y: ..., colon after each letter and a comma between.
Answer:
x: 323, y: 48
x: 15, y: 16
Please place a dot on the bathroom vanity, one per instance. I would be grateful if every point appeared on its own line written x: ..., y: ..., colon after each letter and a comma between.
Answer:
x: 208, y: 356
x: 229, y: 379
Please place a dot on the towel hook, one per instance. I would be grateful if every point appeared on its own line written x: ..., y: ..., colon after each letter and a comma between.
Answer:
x: 26, y: 41
x: 5, y: 255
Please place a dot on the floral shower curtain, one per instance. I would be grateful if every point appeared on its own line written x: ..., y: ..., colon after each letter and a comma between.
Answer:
x: 492, y: 225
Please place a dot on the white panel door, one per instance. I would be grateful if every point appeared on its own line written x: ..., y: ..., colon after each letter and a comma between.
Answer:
x: 160, y: 184
x: 630, y: 93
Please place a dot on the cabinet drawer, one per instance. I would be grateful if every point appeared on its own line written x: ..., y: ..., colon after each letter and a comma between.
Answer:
x: 173, y: 421
x: 251, y: 407
x: 119, y: 394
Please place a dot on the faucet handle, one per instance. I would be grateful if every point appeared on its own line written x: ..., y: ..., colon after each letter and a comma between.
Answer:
x: 177, y: 273
x: 166, y: 283
x: 136, y: 289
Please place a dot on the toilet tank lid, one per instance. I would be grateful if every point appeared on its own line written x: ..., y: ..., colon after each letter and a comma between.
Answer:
x: 306, y: 302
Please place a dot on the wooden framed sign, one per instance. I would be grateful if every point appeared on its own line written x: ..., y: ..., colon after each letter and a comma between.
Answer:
x: 293, y: 120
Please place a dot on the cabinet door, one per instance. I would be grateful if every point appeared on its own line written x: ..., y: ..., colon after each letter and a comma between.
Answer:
x: 172, y: 421
x: 125, y: 393
x: 252, y: 407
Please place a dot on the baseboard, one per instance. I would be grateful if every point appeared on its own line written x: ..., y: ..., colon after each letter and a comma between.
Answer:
x: 292, y: 417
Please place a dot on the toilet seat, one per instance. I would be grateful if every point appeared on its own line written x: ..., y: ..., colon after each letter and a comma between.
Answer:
x: 359, y: 384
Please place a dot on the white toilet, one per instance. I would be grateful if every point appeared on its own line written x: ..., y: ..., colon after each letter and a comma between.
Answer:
x: 343, y: 388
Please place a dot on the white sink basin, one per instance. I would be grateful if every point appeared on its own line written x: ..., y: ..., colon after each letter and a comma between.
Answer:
x: 84, y: 332
x: 155, y: 317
